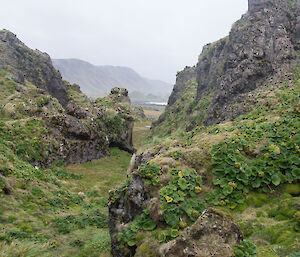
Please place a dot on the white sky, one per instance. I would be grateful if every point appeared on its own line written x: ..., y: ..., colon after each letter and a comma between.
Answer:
x: 157, y: 38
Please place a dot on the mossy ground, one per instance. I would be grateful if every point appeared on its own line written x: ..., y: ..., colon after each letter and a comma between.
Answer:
x: 68, y: 218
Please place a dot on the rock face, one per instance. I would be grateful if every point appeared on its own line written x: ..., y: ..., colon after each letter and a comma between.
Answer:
x: 262, y: 43
x: 261, y: 46
x: 139, y: 112
x: 213, y: 234
x: 79, y: 137
x: 34, y: 66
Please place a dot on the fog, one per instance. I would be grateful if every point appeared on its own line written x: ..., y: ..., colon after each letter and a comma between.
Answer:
x: 156, y: 38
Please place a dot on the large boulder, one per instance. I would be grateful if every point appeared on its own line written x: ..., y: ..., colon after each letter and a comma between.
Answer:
x: 213, y: 234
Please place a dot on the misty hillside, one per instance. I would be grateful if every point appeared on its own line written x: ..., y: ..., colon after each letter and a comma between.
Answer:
x: 98, y: 80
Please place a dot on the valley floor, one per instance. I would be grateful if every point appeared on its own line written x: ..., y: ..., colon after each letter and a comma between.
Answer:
x: 74, y: 229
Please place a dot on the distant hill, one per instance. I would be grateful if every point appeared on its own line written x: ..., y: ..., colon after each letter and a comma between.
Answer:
x: 98, y: 80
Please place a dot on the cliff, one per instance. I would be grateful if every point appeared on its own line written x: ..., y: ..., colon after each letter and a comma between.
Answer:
x: 261, y: 47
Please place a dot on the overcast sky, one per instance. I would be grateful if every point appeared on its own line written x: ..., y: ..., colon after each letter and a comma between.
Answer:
x: 157, y: 38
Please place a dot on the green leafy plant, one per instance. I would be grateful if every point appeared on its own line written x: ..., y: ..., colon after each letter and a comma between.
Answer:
x: 263, y: 155
x: 176, y: 155
x: 141, y: 222
x: 151, y: 173
x: 183, y: 183
x: 67, y: 224
x: 244, y: 249
x: 118, y: 192
x: 178, y: 198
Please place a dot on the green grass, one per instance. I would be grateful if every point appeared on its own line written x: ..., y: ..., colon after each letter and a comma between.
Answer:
x: 103, y: 174
x: 67, y: 219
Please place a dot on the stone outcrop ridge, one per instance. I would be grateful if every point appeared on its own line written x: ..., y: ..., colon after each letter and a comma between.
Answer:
x: 123, y: 139
x: 262, y: 44
x: 124, y: 209
x: 214, y: 233
x: 33, y: 66
x: 120, y: 94
x: 79, y: 136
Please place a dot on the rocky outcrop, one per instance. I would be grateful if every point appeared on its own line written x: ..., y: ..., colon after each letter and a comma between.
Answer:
x: 181, y: 85
x: 139, y: 112
x: 120, y: 95
x: 123, y: 210
x: 260, y: 47
x: 31, y: 65
x: 181, y: 79
x: 213, y: 234
x: 118, y: 136
x: 80, y: 131
x: 77, y: 139
x: 261, y: 44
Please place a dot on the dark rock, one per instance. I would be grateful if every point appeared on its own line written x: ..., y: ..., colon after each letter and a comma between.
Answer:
x: 262, y: 43
x: 20, y: 89
x: 123, y: 139
x: 78, y: 140
x: 31, y: 65
x: 123, y: 211
x: 76, y: 87
x: 79, y: 132
x: 143, y: 158
x: 74, y: 110
x: 256, y: 5
x: 213, y: 234
x: 261, y: 46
